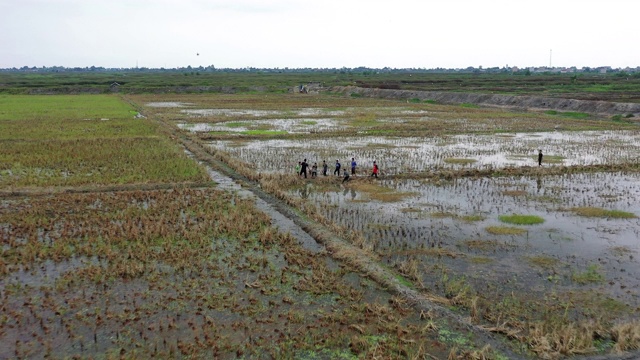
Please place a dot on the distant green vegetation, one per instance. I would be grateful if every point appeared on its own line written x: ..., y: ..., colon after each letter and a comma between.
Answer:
x: 608, y: 87
x: 570, y: 114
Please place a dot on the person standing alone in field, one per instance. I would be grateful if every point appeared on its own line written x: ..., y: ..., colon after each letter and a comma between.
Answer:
x: 353, y: 166
x: 337, y: 170
x: 375, y: 170
x: 539, y: 157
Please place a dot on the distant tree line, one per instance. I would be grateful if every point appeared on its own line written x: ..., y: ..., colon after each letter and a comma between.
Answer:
x: 344, y: 70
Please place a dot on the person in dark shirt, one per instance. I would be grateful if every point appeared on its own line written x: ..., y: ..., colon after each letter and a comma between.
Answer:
x: 353, y: 166
x: 337, y: 170
x: 539, y: 157
x: 303, y: 168
x: 346, y: 176
x: 325, y: 167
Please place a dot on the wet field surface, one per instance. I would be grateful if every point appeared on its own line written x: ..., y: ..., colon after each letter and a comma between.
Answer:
x: 575, y: 267
x: 402, y: 155
x: 458, y: 216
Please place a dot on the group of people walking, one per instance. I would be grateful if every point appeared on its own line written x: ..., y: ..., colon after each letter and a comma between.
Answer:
x: 302, y: 168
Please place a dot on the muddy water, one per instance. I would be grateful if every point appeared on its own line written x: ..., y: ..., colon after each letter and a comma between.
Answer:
x: 433, y: 218
x: 401, y: 155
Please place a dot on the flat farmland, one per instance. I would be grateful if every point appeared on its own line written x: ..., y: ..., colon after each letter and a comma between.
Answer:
x: 117, y: 243
x: 545, y: 255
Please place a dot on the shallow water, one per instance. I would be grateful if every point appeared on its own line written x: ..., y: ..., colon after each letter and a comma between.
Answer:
x: 400, y: 155
x: 432, y: 219
x: 293, y: 126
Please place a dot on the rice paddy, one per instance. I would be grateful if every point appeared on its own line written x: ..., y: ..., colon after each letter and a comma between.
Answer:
x: 460, y: 213
x: 451, y: 177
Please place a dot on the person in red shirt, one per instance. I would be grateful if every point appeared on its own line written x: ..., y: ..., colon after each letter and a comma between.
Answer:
x: 375, y: 170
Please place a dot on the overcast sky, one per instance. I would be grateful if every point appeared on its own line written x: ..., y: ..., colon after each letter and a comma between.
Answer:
x: 321, y: 33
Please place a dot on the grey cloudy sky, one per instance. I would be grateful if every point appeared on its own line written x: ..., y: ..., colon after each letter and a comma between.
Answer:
x: 322, y: 33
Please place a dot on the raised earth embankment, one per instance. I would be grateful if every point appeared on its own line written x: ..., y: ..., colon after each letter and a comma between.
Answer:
x: 506, y: 101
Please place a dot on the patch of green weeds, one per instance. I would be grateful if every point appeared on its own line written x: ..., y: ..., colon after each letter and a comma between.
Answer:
x: 590, y: 275
x: 430, y: 101
x: 518, y: 219
x: 570, y: 114
x: 452, y: 337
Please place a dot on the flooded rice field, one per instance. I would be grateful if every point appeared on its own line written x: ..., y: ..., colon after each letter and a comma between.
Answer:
x: 397, y: 155
x: 454, y: 227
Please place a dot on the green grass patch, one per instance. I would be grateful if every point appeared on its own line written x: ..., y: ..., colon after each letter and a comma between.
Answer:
x: 603, y: 213
x: 569, y: 114
x: 84, y: 139
x: 518, y: 219
x: 590, y: 275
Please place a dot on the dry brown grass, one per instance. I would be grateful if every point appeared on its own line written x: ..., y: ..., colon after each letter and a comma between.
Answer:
x: 505, y: 230
x: 380, y: 193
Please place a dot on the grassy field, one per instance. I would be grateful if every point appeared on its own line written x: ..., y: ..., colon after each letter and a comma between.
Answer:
x: 84, y: 139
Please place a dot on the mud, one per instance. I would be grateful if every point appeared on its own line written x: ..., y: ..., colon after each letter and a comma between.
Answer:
x: 503, y: 101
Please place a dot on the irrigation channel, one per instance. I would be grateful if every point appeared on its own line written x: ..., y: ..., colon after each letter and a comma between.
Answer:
x: 318, y: 238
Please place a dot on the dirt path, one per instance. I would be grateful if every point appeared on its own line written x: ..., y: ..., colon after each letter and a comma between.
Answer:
x: 604, y: 108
